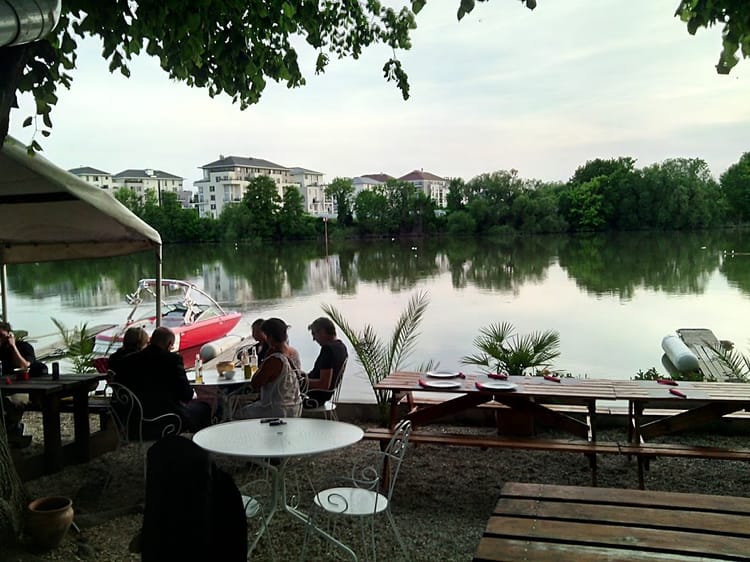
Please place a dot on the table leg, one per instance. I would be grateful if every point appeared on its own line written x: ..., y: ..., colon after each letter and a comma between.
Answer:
x: 82, y: 431
x: 53, y: 454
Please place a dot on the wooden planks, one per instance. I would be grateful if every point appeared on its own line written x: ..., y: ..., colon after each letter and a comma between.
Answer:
x: 702, y: 343
x: 568, y: 523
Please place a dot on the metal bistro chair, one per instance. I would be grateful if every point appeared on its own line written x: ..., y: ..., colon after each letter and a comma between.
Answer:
x: 364, y: 498
x: 328, y: 408
x: 127, y: 413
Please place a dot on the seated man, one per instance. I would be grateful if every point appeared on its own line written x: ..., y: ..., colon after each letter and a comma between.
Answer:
x: 15, y: 355
x: 326, y: 373
x: 157, y: 377
x: 260, y: 345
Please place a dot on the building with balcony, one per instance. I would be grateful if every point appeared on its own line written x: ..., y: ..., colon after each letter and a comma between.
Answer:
x: 435, y: 187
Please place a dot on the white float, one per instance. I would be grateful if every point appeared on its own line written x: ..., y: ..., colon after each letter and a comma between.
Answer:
x: 215, y: 348
x: 679, y: 354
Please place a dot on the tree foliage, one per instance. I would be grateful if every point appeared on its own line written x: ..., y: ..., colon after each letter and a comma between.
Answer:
x: 341, y: 190
x: 234, y: 48
x: 735, y: 186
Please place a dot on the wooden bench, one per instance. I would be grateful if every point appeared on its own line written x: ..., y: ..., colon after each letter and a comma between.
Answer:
x: 588, y: 448
x: 647, y: 451
x: 548, y: 523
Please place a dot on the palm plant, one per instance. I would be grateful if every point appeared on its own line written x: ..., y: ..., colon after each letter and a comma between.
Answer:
x: 78, y: 344
x: 738, y: 363
x: 501, y: 349
x: 380, y: 358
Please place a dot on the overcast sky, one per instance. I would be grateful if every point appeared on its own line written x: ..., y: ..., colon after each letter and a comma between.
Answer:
x: 541, y: 92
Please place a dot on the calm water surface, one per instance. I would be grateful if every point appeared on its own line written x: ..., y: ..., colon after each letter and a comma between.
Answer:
x: 611, y: 297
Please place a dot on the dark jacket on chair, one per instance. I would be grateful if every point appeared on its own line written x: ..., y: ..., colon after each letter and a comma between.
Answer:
x: 193, y: 511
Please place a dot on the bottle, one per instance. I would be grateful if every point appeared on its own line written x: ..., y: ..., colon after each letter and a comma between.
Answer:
x: 245, y: 365
x: 198, y: 369
x: 55, y: 371
x: 253, y: 361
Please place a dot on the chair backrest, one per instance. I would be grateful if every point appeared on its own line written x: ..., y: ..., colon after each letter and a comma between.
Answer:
x: 128, y: 413
x: 394, y: 454
x: 338, y: 378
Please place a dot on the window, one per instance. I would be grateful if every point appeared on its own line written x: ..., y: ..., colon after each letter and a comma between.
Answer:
x: 211, y: 188
x: 213, y: 198
x: 213, y: 207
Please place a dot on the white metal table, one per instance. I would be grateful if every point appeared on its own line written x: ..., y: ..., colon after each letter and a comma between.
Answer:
x: 216, y: 388
x: 252, y: 439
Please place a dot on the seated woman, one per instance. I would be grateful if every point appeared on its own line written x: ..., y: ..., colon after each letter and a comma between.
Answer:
x: 133, y: 340
x: 276, y: 379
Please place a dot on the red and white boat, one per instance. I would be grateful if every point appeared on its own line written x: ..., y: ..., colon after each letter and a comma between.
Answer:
x: 189, y: 312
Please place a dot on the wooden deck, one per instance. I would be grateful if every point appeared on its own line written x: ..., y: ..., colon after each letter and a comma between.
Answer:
x: 702, y: 343
x: 577, y: 524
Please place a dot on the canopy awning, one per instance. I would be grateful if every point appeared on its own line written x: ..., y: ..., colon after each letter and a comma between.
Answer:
x: 48, y: 214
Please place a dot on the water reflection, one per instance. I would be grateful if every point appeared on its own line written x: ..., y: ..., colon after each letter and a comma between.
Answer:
x: 615, y: 264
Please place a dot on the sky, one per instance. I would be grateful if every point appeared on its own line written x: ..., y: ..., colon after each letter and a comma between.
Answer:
x: 539, y: 91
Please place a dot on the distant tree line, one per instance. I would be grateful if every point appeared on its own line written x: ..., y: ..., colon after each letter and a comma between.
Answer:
x: 602, y: 195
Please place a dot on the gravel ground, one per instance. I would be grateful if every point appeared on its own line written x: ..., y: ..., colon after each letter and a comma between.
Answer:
x: 443, y: 498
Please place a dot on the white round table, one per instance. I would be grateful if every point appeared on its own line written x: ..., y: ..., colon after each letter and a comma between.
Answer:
x: 295, y: 438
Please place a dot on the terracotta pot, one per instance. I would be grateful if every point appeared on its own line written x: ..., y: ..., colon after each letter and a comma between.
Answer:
x: 47, y: 521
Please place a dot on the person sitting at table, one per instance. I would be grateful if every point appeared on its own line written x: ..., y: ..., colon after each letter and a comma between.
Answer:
x: 326, y: 372
x: 134, y: 339
x: 260, y: 345
x: 276, y: 379
x: 157, y: 377
x: 15, y: 355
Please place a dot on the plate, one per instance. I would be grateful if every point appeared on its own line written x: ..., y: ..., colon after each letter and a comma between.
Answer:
x: 498, y: 385
x: 442, y: 374
x: 441, y: 384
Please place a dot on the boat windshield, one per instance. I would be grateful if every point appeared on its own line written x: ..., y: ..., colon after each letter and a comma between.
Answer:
x: 179, y: 300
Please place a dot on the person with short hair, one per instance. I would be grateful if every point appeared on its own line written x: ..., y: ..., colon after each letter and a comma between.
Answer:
x: 326, y: 373
x: 276, y: 379
x: 157, y: 377
x: 15, y: 355
x: 260, y: 345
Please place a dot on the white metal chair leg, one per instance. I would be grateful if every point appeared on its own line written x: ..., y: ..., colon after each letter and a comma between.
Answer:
x: 397, y: 534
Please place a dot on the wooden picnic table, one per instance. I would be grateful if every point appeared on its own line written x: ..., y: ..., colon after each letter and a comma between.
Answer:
x: 530, y: 397
x: 701, y: 403
x: 548, y: 523
x: 46, y: 394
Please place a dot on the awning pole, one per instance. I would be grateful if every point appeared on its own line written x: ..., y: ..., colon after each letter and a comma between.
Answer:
x: 158, y: 285
x: 4, y: 289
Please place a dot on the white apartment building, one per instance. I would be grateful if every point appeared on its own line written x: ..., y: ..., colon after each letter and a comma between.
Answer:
x: 224, y: 181
x: 435, y: 187
x: 140, y: 181
x: 92, y: 176
x: 313, y: 190
x: 368, y: 181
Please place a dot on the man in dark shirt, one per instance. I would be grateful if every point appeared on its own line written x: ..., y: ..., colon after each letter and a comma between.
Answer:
x: 326, y: 374
x: 157, y: 377
x: 15, y: 355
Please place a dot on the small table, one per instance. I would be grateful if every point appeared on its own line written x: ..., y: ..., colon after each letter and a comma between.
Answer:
x: 47, y: 393
x: 574, y: 524
x: 217, y: 388
x: 258, y: 441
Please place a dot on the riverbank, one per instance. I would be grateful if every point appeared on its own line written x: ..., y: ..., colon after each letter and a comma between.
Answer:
x: 442, y: 502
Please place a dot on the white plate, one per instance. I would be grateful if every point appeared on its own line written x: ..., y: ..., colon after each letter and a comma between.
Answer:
x: 498, y: 385
x: 442, y: 384
x: 442, y: 374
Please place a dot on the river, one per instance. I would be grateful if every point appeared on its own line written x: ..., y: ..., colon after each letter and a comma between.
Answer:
x: 611, y: 297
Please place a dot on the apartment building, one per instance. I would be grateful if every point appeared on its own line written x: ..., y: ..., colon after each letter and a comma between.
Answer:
x: 139, y: 181
x: 368, y: 181
x: 435, y: 187
x: 224, y: 181
x: 92, y: 176
x: 313, y: 191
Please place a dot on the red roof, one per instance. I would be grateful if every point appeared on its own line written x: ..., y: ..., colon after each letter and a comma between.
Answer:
x: 420, y: 175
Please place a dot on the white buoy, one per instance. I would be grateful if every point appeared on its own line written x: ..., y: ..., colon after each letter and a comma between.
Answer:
x: 214, y: 348
x: 679, y: 354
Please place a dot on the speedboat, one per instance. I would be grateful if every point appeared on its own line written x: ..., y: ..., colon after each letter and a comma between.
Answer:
x: 193, y: 316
